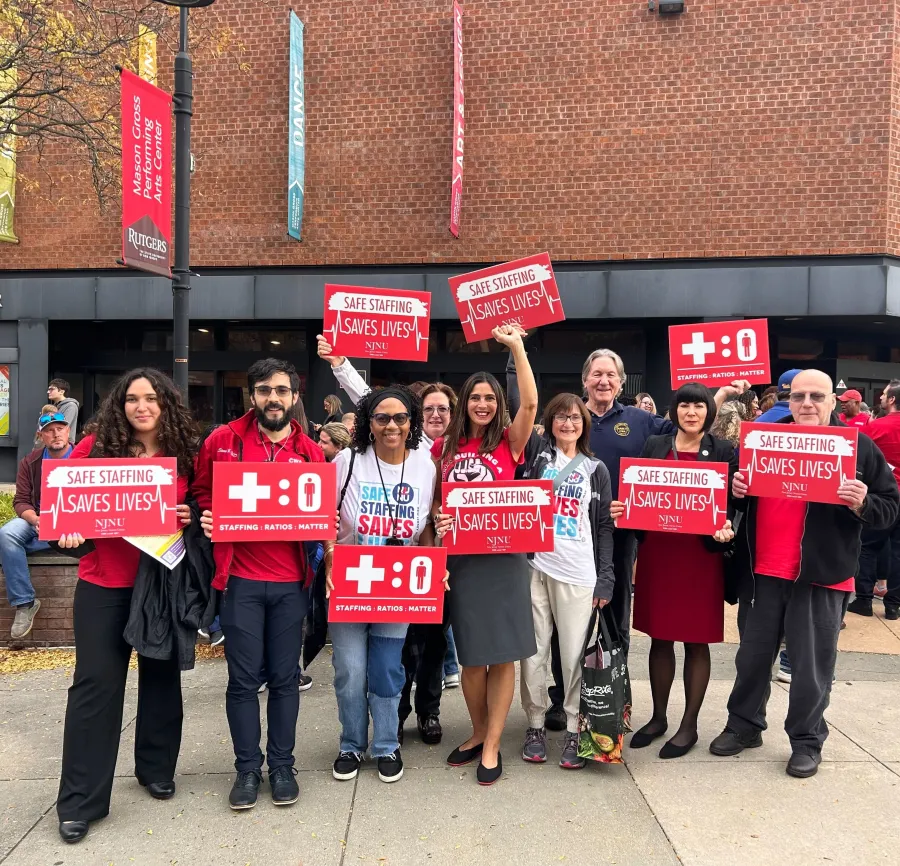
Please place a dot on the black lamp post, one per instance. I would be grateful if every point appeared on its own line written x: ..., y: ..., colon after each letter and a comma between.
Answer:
x: 183, y: 98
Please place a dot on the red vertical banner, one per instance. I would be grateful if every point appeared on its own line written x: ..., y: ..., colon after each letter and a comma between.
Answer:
x: 459, y: 123
x: 146, y: 175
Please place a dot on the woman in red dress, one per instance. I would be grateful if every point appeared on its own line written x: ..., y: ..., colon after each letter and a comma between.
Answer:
x: 681, y: 589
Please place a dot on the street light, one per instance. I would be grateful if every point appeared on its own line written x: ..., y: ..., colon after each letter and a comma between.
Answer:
x: 183, y: 98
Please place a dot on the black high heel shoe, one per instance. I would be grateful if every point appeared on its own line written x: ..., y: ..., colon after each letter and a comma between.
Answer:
x: 73, y: 831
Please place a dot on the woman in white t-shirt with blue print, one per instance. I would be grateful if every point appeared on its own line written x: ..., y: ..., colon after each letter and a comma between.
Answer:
x: 385, y: 489
x: 577, y: 576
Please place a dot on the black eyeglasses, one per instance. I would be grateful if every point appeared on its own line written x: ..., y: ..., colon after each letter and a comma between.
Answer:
x: 266, y: 390
x: 382, y: 419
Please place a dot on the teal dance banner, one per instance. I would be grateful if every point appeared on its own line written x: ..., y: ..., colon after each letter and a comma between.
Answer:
x: 296, y: 132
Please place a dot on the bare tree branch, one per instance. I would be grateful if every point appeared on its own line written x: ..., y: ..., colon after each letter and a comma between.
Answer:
x: 64, y: 55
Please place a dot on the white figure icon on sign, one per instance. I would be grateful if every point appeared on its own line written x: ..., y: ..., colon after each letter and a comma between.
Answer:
x: 309, y: 492
x: 249, y: 492
x: 746, y: 345
x: 365, y: 574
x: 420, y: 576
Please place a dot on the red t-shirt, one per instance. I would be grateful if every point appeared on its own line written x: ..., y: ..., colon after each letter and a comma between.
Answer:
x: 468, y: 465
x: 885, y: 433
x: 278, y: 561
x: 861, y: 419
x: 779, y: 530
x: 114, y: 562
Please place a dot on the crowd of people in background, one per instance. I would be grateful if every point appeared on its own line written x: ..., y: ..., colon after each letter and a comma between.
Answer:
x: 791, y: 567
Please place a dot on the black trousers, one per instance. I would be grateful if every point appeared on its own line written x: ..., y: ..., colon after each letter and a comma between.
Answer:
x: 624, y: 554
x: 423, y: 661
x: 94, y: 709
x: 880, y: 547
x: 263, y: 625
x: 809, y: 619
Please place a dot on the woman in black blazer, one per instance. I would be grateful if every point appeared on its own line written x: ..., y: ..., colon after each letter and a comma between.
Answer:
x: 680, y: 586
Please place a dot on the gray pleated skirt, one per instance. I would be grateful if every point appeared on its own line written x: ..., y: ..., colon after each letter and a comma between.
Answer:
x: 490, y: 608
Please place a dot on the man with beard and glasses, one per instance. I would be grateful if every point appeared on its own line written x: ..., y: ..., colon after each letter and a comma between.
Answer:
x: 267, y: 589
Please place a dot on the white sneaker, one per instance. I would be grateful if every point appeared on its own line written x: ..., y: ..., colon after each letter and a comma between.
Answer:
x: 451, y: 681
x: 783, y: 676
x: 261, y: 689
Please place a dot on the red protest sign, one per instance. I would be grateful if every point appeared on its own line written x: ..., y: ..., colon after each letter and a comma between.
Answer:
x: 108, y: 497
x: 362, y: 322
x: 797, y: 461
x: 387, y: 584
x: 717, y: 353
x: 274, y: 501
x: 668, y: 496
x: 146, y: 175
x: 459, y: 122
x: 499, y: 517
x: 521, y: 293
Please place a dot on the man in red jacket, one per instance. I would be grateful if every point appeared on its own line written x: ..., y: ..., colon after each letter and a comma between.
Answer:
x: 265, y: 589
x: 19, y: 536
x: 885, y: 433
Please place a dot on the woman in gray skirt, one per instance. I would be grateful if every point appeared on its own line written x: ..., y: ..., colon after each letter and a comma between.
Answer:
x: 490, y: 598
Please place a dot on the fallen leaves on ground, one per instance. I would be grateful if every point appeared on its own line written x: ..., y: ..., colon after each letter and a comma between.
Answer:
x: 27, y: 660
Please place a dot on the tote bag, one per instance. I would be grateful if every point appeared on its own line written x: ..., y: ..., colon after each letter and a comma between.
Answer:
x: 604, y: 715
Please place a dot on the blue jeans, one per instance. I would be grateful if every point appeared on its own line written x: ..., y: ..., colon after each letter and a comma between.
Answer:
x: 368, y: 677
x: 17, y: 538
x: 451, y: 665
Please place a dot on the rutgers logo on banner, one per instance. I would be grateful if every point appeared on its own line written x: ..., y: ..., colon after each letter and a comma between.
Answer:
x: 146, y: 175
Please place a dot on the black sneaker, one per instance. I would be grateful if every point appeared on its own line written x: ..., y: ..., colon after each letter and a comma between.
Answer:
x: 892, y: 611
x: 216, y: 638
x: 390, y: 767
x: 732, y: 743
x: 245, y: 789
x: 430, y: 729
x: 304, y: 682
x: 285, y: 789
x: 555, y: 718
x: 346, y: 766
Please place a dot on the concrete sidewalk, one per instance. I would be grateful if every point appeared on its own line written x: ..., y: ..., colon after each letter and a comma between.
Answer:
x: 700, y: 810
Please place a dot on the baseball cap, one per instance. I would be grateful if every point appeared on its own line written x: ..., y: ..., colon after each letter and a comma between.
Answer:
x: 51, y: 418
x: 852, y: 394
x: 785, y: 379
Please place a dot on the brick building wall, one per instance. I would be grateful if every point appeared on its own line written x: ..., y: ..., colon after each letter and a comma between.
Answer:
x: 54, y: 577
x: 594, y: 129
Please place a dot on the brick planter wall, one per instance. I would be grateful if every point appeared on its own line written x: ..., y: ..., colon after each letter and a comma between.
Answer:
x: 54, y: 576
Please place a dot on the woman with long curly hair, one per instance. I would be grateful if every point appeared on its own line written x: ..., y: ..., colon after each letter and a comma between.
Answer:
x: 385, y: 489
x: 490, y: 598
x: 143, y: 416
